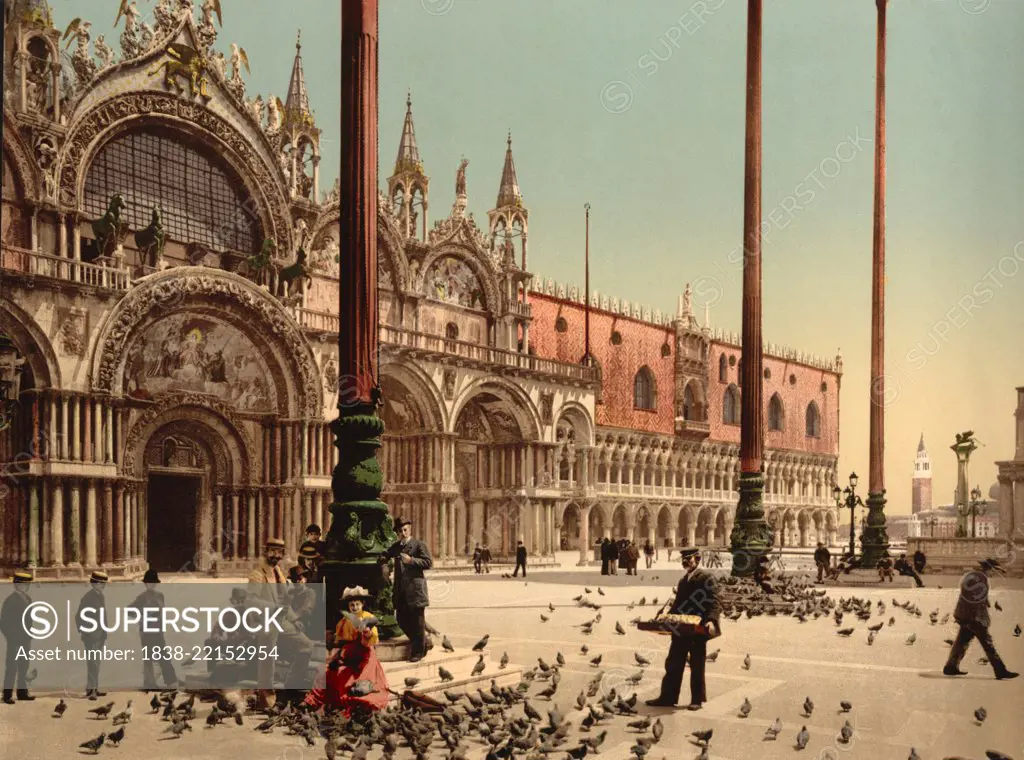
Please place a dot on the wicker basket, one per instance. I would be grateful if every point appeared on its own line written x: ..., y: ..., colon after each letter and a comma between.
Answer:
x: 687, y: 626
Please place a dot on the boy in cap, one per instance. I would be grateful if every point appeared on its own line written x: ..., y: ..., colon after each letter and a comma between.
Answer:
x: 312, y: 546
x: 14, y: 632
x: 93, y: 641
x: 971, y: 615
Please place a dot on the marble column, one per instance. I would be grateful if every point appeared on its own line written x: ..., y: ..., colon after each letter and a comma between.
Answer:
x: 537, y: 541
x: 1006, y: 521
x: 108, y: 436
x: 33, y: 523
x: 1018, y: 508
x: 233, y: 540
x: 76, y: 416
x: 218, y: 522
x: 691, y: 534
x: 74, y: 524
x: 65, y: 439
x: 585, y: 548
x: 108, y: 525
x: 476, y: 523
x: 250, y: 549
x: 673, y: 536
x: 442, y: 531
x: 91, y: 528
x: 118, y: 547
x: 57, y: 523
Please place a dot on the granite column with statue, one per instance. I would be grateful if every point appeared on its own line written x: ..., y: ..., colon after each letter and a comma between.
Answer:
x: 361, y: 529
x: 874, y: 538
x: 751, y: 537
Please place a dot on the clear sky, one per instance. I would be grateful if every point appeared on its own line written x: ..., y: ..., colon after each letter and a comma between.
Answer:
x: 638, y: 108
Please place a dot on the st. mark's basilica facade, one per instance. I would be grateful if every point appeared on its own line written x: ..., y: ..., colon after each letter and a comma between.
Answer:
x: 169, y: 320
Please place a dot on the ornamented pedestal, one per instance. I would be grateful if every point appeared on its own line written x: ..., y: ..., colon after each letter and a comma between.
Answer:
x: 751, y: 536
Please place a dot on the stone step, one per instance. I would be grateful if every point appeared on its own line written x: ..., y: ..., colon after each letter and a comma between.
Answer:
x: 459, y: 664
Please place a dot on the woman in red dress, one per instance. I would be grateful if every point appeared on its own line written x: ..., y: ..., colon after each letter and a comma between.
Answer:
x: 353, y: 660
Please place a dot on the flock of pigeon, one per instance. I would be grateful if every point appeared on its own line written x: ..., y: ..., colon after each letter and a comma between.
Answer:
x: 504, y: 721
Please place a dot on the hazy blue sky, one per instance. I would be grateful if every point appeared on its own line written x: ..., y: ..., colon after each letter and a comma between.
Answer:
x: 656, y: 146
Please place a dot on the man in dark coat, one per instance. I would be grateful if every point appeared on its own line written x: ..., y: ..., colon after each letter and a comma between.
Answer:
x: 13, y: 629
x: 93, y: 639
x: 904, y: 568
x: 604, y: 556
x: 822, y: 559
x: 477, y: 557
x: 411, y: 558
x: 149, y: 641
x: 971, y: 614
x: 919, y: 561
x: 697, y: 594
x: 520, y: 559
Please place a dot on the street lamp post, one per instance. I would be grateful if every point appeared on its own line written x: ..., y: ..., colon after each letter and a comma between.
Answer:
x: 849, y: 499
x: 977, y: 507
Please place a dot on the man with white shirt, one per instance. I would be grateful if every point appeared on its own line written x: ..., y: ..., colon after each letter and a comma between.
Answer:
x: 696, y: 595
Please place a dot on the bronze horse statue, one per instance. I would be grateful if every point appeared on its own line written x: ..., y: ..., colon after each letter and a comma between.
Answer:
x: 296, y: 271
x: 110, y: 229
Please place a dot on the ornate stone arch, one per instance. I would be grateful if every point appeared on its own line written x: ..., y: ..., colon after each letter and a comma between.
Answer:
x: 578, y: 416
x: 525, y: 412
x: 266, y: 319
x: 474, y: 260
x: 428, y: 395
x: 202, y: 409
x: 390, y: 250
x: 27, y: 177
x: 34, y: 344
x: 124, y: 112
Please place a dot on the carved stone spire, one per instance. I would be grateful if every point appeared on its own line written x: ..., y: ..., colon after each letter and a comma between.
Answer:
x: 409, y: 185
x: 298, y: 98
x: 508, y: 191
x: 408, y: 154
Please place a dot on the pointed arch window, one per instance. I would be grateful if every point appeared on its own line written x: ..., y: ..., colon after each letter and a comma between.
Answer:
x: 688, y: 403
x: 723, y: 369
x: 644, y: 390
x: 731, y: 406
x: 813, y: 421
x: 776, y: 413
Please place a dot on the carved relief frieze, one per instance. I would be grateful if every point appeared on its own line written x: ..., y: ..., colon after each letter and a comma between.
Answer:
x: 73, y: 331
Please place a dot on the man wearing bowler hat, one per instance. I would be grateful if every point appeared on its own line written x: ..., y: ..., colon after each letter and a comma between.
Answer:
x: 150, y: 641
x: 411, y: 558
x: 697, y: 595
x: 971, y: 614
x: 13, y: 629
x: 93, y: 641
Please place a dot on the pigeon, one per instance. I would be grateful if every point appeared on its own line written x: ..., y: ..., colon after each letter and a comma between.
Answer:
x: 559, y: 658
x: 117, y: 737
x: 503, y: 663
x: 584, y: 649
x: 640, y: 660
x: 362, y: 688
x: 657, y: 730
x: 808, y: 707
x: 892, y: 621
x: 980, y: 714
x: 595, y: 661
x: 551, y: 607
x: 704, y: 736
x: 802, y: 738
x: 713, y: 656
x: 911, y: 639
x: 94, y: 744
x: 1017, y: 630
x: 845, y: 631
x: 845, y: 706
x: 102, y: 711
x: 125, y: 716
x: 177, y: 728
x: 913, y: 755
x: 746, y: 662
x: 479, y: 667
x: 411, y: 682
x: 154, y: 704
x: 446, y: 644
x: 586, y: 590
x: 544, y: 618
x: 600, y: 591
x: 444, y: 675
x: 845, y: 733
x: 640, y: 725
x: 871, y: 638
x: 745, y: 708
x: 992, y: 754
x: 997, y: 606
x: 59, y: 708
x: 619, y: 629
x: 773, y: 731
x: 482, y: 644
x: 876, y: 627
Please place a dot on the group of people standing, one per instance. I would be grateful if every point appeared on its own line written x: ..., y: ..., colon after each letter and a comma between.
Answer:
x: 620, y: 555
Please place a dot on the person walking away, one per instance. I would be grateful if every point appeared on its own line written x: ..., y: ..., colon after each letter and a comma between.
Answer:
x: 13, y: 629
x: 919, y: 561
x: 520, y: 559
x: 698, y: 595
x: 822, y: 559
x: 485, y: 558
x: 632, y: 557
x: 477, y: 559
x: 971, y: 614
x: 412, y: 558
x: 648, y: 554
x: 150, y: 641
x: 93, y: 639
x: 603, y: 545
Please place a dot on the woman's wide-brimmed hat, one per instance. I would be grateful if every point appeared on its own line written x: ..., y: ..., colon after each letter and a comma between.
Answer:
x: 355, y: 592
x: 238, y: 595
x: 98, y: 576
x: 309, y: 551
x: 151, y: 576
x: 991, y: 564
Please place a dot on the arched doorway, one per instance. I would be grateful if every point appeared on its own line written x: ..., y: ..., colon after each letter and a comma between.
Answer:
x: 620, y: 523
x: 664, y: 537
x: 644, y: 531
x: 720, y: 537
x: 569, y: 538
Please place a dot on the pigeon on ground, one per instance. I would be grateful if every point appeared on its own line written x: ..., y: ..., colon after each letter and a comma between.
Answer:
x: 808, y: 707
x: 559, y: 658
x: 640, y: 660
x: 117, y: 737
x: 586, y: 590
x: 102, y: 711
x: 871, y: 638
x: 551, y: 607
x: 997, y: 606
x: 59, y: 709
x: 125, y: 716
x: 479, y: 667
x: 595, y: 661
x: 640, y: 725
x: 446, y: 644
x: 845, y: 733
x: 845, y: 631
x: 713, y: 656
x: 911, y: 639
x: 444, y: 675
x: 1017, y: 630
x: 745, y: 708
x: 94, y: 744
x: 703, y: 736
x: 773, y: 730
x: 482, y: 644
x: 992, y: 754
x: 544, y: 618
x: 802, y: 738
x: 411, y: 682
x: 876, y: 627
x: 845, y: 706
x: 980, y: 714
x: 584, y: 649
x: 657, y: 730
x: 913, y: 755
x: 746, y: 662
x: 619, y: 629
x: 503, y: 663
x: 154, y: 704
